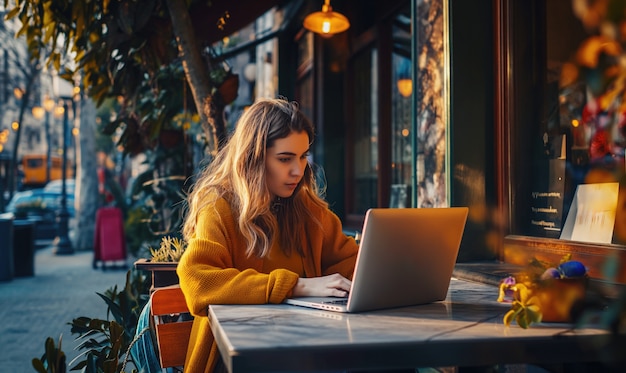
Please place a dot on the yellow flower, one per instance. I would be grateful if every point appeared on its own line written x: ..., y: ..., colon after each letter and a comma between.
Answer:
x: 525, y: 308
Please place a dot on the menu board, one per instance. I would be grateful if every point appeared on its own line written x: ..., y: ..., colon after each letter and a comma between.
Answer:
x: 547, y: 203
x: 546, y: 207
x: 591, y: 217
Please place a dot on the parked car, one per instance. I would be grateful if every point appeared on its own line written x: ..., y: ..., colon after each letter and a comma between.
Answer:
x: 56, y: 185
x: 35, y: 200
x: 41, y: 207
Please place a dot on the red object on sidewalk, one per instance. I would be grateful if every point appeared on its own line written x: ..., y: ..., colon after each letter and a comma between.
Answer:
x: 109, y: 242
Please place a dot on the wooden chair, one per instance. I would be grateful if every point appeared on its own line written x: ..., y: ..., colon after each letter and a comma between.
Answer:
x: 167, y: 309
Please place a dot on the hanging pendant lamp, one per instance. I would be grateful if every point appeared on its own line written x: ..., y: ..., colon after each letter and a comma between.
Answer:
x: 326, y: 23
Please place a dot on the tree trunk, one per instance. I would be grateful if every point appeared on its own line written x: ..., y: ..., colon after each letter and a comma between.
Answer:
x: 197, y: 73
x: 87, y: 178
x: 34, y: 72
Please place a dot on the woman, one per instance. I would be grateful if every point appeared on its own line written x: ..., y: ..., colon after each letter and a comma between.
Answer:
x: 257, y: 231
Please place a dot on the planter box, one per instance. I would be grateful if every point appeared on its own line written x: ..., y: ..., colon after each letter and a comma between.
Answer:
x: 558, y: 296
x: 163, y: 273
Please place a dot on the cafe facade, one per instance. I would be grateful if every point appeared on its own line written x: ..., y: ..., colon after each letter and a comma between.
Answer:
x: 512, y: 108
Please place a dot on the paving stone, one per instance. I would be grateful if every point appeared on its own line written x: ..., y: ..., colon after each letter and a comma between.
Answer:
x: 33, y: 308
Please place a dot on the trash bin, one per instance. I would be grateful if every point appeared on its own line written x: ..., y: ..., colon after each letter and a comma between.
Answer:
x: 6, y: 248
x: 23, y: 248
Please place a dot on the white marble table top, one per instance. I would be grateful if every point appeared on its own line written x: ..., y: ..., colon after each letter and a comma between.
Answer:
x: 464, y: 330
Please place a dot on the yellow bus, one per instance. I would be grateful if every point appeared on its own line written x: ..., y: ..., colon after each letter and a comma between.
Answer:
x: 34, y: 168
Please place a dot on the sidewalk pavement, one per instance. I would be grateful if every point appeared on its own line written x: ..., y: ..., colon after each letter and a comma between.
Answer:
x: 33, y: 308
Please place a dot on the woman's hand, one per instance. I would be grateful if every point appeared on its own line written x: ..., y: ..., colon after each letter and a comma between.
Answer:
x: 332, y: 285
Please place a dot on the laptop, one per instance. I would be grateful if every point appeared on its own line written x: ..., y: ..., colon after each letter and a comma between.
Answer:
x: 406, y: 257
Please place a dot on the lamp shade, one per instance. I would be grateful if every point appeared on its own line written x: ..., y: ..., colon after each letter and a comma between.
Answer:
x: 405, y: 87
x: 326, y: 22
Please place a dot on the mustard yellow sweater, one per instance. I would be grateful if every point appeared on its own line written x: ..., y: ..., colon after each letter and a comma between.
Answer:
x: 216, y: 270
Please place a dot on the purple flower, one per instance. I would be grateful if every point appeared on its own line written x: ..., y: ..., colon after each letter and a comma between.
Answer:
x: 509, y: 281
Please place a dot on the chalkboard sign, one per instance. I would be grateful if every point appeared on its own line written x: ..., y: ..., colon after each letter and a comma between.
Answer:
x: 546, y: 207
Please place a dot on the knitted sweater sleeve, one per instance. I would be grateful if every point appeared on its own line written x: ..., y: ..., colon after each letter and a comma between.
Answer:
x: 215, y: 270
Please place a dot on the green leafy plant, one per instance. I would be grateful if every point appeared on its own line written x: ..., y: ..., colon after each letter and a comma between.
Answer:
x: 105, y: 343
x: 157, y: 197
x: 525, y: 309
x: 53, y: 360
x: 539, y: 294
x: 137, y: 235
x: 170, y: 250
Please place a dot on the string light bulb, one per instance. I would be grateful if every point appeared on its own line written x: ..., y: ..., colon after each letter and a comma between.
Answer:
x: 326, y: 23
x: 48, y: 104
x: 38, y: 112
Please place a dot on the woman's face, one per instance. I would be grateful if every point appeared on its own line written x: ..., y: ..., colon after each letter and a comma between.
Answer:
x: 285, y: 163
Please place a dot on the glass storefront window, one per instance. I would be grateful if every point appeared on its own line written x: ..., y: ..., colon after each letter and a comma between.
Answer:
x: 401, y: 149
x: 401, y: 120
x: 365, y: 132
x: 380, y: 120
x: 576, y: 147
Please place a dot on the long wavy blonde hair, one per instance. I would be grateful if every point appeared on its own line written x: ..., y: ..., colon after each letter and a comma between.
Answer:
x: 238, y: 175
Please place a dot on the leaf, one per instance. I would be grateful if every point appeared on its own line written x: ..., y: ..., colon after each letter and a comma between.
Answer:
x: 522, y: 293
x: 56, y: 61
x: 501, y: 292
x: 111, y: 127
x: 12, y: 13
x: 49, y: 32
x: 91, y: 364
x: 534, y: 300
x: 522, y: 320
x: 38, y: 365
x: 534, y: 313
x: 50, y: 350
x: 60, y: 357
x: 509, y: 316
x: 517, y: 306
x: 77, y: 14
x: 113, y: 307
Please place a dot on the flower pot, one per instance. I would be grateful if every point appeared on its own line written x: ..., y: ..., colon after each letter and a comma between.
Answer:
x: 163, y: 273
x: 558, y: 296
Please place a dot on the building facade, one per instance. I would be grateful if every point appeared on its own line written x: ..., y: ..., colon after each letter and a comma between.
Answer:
x: 515, y: 109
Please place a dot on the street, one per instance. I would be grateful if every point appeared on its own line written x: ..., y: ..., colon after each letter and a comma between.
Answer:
x: 34, y: 308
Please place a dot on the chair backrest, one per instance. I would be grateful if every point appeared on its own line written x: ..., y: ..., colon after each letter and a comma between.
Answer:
x: 167, y: 308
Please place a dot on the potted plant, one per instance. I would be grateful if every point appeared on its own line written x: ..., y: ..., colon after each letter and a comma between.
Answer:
x: 163, y: 261
x: 105, y: 343
x: 544, y: 292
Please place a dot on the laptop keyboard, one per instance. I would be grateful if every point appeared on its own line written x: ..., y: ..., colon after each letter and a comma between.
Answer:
x: 338, y: 301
